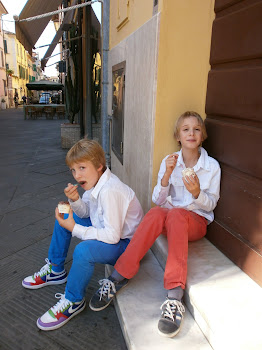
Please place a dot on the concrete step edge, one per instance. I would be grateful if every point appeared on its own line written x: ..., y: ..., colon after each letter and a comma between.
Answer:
x: 138, y: 310
x: 223, y: 300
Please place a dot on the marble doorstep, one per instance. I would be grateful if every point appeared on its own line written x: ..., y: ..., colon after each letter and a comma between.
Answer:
x: 138, y: 309
x: 223, y: 300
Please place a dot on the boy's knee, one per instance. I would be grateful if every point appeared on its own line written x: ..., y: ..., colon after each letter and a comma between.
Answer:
x: 176, y: 213
x: 78, y: 252
x: 82, y: 252
x: 157, y: 213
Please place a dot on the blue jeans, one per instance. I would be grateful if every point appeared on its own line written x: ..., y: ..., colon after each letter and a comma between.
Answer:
x: 86, y: 254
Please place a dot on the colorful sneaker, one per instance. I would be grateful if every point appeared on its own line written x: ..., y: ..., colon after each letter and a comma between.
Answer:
x: 45, y: 277
x: 106, y: 293
x: 60, y: 313
x: 171, y: 319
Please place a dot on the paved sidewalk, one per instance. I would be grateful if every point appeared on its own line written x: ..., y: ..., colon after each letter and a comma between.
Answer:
x: 33, y: 175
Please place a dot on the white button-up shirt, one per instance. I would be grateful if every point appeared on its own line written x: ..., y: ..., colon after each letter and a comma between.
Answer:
x: 175, y: 195
x: 113, y: 208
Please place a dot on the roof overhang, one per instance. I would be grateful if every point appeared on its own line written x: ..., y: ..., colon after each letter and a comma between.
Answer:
x: 29, y: 32
x: 46, y: 85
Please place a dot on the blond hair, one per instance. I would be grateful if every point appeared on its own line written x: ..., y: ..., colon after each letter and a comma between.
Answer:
x: 185, y: 115
x: 86, y: 150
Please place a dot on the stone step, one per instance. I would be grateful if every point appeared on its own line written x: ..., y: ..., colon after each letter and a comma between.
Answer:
x: 223, y: 300
x: 138, y: 309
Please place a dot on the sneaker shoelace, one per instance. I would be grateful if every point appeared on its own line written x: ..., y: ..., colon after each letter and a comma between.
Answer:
x: 46, y: 268
x: 62, y: 304
x: 171, y: 306
x: 106, y: 286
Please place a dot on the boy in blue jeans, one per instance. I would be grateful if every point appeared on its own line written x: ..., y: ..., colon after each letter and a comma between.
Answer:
x: 105, y: 219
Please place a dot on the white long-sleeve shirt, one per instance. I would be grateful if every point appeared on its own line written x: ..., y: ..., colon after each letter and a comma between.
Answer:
x: 175, y: 195
x: 113, y: 208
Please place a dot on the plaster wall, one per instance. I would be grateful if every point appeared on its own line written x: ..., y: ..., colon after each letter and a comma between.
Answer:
x: 140, y: 51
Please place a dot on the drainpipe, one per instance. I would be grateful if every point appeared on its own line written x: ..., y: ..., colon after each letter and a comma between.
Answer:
x: 88, y: 57
x: 80, y: 75
x: 104, y: 115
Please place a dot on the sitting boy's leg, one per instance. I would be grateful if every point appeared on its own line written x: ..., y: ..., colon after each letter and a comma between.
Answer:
x: 181, y: 226
x: 60, y: 242
x: 53, y: 272
x: 128, y: 263
x: 147, y: 232
x: 86, y: 254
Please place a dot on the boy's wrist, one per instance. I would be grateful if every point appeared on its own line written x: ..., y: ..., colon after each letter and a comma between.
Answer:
x: 165, y: 179
x: 196, y: 194
x: 73, y: 199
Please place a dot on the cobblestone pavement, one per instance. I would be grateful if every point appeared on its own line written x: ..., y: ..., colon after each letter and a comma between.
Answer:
x: 33, y: 175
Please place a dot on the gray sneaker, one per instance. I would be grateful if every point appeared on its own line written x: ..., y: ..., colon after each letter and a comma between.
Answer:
x: 171, y: 318
x: 106, y: 293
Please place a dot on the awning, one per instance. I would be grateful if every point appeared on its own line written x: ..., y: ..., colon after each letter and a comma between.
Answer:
x: 46, y: 85
x: 3, y: 10
x: 67, y: 20
x: 29, y: 32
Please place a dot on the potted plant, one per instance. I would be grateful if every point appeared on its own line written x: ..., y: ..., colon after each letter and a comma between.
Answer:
x: 9, y: 72
x: 70, y: 132
x: 3, y: 103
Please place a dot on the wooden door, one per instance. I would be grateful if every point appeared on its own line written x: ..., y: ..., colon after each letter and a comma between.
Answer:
x: 234, y: 125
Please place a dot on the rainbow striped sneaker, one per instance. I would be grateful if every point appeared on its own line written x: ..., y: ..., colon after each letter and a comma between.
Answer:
x: 45, y: 277
x: 60, y: 313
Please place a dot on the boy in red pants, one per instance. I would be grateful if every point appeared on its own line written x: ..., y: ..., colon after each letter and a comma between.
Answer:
x: 185, y: 207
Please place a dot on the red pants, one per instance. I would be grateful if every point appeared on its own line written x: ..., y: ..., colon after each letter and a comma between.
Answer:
x: 181, y: 226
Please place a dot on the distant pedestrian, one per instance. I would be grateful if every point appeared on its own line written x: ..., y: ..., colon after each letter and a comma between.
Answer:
x: 24, y: 99
x: 16, y: 101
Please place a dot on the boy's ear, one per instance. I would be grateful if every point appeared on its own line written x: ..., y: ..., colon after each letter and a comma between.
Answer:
x: 100, y: 167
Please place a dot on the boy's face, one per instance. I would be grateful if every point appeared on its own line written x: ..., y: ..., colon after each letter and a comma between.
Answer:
x: 86, y: 174
x: 190, y: 133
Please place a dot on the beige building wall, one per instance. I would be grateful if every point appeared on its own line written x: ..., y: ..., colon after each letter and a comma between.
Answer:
x: 22, y: 61
x: 167, y: 63
x: 30, y: 62
x: 183, y: 66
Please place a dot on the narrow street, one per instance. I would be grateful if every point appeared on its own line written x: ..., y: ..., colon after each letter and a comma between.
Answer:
x: 32, y: 178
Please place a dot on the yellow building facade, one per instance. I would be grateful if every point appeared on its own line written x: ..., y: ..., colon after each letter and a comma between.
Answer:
x: 22, y: 63
x: 17, y: 62
x: 165, y: 48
